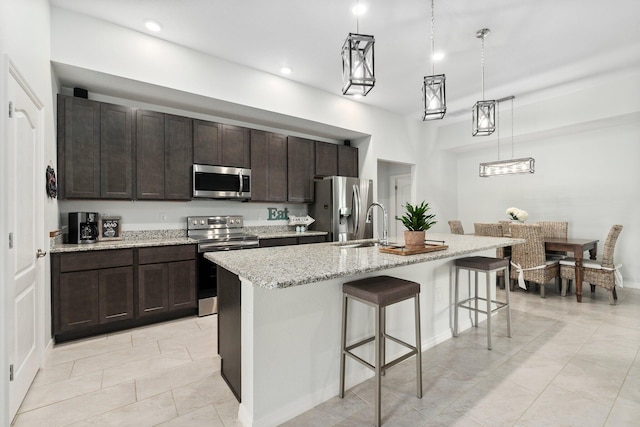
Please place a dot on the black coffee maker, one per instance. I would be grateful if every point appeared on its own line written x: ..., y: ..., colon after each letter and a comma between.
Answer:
x: 83, y: 227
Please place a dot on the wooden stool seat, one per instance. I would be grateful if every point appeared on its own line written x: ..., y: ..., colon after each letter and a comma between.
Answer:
x: 379, y: 292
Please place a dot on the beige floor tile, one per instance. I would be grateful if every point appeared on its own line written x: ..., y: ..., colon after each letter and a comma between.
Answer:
x: 193, y: 396
x: 43, y: 395
x: 165, y: 380
x: 114, y: 358
x: 52, y: 374
x: 530, y: 371
x: 625, y: 413
x: 139, y: 368
x: 227, y: 409
x: 144, y: 413
x: 67, y: 352
x: 165, y: 330
x: 559, y: 407
x: 205, y: 416
x: 79, y: 408
x: 591, y: 381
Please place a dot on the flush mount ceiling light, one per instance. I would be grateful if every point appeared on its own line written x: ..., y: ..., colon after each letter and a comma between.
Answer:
x: 357, y: 63
x: 152, y: 25
x: 434, y: 101
x: 285, y: 70
x: 484, y: 112
x: 511, y: 166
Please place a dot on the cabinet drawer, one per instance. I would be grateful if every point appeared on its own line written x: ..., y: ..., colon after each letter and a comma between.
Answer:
x: 311, y: 239
x: 280, y: 241
x: 166, y: 254
x: 93, y: 260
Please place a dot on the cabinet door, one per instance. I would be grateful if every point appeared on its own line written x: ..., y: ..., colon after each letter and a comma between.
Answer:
x: 149, y: 155
x: 207, y: 147
x: 300, y: 166
x: 326, y: 159
x: 182, y: 284
x: 236, y: 149
x: 178, y: 157
x: 78, y: 148
x: 78, y: 300
x: 153, y: 289
x: 278, y: 241
x: 229, y: 329
x: 268, y: 167
x: 347, y: 161
x: 116, y: 294
x: 116, y: 152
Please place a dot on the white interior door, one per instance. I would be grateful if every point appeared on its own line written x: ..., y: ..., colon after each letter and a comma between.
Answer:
x: 25, y: 220
x: 400, y: 195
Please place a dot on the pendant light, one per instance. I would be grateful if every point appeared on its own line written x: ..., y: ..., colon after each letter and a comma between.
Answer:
x: 484, y: 112
x: 357, y: 62
x: 511, y: 166
x: 434, y: 99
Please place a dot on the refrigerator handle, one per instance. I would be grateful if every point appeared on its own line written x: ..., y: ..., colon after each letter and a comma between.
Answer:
x: 356, y: 209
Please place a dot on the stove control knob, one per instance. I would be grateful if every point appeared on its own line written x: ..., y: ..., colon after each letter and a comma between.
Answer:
x: 194, y: 222
x: 202, y: 222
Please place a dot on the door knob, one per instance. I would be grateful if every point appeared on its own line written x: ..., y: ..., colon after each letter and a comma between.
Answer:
x: 40, y: 253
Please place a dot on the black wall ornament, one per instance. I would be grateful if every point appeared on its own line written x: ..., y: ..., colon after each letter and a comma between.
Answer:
x: 52, y: 185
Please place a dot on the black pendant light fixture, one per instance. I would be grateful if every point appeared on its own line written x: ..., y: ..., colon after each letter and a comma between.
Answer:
x: 484, y: 112
x: 358, y: 62
x: 434, y: 101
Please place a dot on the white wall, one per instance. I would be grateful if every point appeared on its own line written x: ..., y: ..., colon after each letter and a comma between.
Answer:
x: 24, y: 38
x: 586, y: 169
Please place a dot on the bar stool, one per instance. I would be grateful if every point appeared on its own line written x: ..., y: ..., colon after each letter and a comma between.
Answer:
x: 487, y: 265
x: 380, y: 292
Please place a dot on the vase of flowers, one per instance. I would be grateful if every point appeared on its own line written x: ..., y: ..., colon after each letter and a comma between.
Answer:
x: 517, y: 215
x: 417, y: 222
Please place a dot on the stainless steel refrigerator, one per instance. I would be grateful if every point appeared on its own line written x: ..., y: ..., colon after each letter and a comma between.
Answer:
x: 340, y: 208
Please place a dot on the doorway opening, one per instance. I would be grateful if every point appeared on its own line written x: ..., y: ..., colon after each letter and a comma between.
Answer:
x: 395, y: 189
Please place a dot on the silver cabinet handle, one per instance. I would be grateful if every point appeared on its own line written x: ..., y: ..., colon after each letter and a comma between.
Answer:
x: 40, y: 253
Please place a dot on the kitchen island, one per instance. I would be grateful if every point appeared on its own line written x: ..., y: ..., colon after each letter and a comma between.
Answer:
x: 290, y: 316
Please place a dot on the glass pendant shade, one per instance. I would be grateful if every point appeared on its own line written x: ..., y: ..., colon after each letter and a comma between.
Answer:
x: 434, y: 97
x: 507, y: 167
x: 358, y: 64
x: 484, y: 118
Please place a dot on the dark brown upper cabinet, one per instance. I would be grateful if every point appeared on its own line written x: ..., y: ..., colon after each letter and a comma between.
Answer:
x: 221, y: 145
x: 326, y: 159
x: 301, y: 168
x: 163, y: 156
x: 236, y: 146
x: 95, y: 149
x: 268, y: 167
x: 207, y: 137
x: 347, y: 161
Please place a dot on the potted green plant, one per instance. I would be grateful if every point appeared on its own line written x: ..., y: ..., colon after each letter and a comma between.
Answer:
x: 417, y: 221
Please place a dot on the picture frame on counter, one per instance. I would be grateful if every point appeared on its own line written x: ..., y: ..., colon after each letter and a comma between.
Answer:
x: 110, y: 228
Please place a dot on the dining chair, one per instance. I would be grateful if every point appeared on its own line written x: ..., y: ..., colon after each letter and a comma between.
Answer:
x: 492, y: 230
x: 603, y: 272
x: 528, y: 259
x: 555, y: 229
x: 506, y: 228
x: 456, y: 227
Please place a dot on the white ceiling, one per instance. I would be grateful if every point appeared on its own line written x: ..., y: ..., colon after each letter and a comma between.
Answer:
x: 533, y: 46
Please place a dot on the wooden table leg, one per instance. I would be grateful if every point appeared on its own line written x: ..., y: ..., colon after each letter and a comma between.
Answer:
x: 592, y: 255
x: 578, y: 278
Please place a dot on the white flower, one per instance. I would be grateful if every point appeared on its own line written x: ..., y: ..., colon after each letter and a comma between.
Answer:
x: 517, y: 214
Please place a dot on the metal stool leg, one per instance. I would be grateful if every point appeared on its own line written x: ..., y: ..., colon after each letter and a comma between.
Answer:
x: 383, y: 324
x: 476, y: 297
x: 345, y: 302
x: 506, y: 273
x: 378, y: 367
x: 488, y: 283
x: 455, y: 304
x: 418, y: 348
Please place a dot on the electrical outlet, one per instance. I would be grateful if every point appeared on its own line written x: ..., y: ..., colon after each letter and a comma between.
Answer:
x: 163, y: 217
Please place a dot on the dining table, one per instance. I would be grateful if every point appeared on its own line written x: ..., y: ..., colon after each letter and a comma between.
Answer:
x: 578, y: 247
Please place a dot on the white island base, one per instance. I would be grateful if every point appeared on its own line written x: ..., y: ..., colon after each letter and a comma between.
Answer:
x: 291, y: 339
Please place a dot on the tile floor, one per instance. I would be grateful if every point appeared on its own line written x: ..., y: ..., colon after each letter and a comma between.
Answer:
x: 567, y: 364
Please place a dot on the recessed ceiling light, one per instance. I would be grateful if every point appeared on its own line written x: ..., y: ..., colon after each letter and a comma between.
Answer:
x: 152, y: 25
x: 437, y: 56
x: 359, y: 9
x: 286, y: 70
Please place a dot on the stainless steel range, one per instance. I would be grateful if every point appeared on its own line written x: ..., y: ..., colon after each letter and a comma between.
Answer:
x: 215, y: 233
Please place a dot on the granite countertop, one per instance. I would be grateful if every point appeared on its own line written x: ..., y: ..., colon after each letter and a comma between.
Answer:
x: 286, y: 266
x: 121, y: 244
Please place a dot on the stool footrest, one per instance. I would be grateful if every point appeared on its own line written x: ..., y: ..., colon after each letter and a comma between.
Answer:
x: 499, y: 305
x: 385, y: 366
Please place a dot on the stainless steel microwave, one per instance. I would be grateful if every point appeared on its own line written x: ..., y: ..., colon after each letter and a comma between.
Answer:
x: 221, y: 182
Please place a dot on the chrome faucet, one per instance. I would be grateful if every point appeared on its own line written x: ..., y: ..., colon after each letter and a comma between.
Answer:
x: 385, y: 221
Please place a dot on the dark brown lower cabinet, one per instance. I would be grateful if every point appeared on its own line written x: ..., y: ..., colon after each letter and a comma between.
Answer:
x: 99, y: 291
x: 229, y: 329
